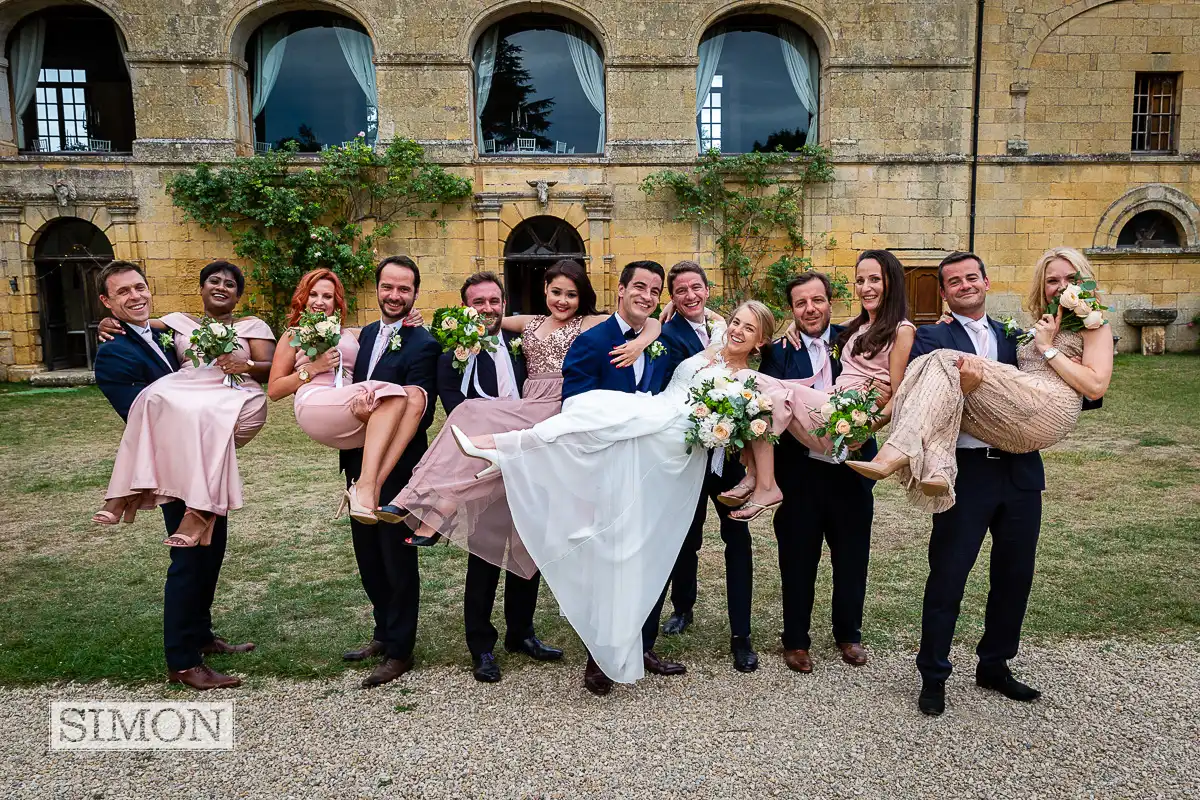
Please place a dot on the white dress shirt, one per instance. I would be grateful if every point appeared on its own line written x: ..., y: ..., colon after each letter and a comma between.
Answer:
x: 506, y: 375
x: 639, y: 366
x: 984, y: 340
x: 148, y: 334
x: 819, y: 356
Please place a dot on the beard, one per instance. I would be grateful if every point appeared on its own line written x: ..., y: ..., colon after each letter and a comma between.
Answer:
x: 492, y: 323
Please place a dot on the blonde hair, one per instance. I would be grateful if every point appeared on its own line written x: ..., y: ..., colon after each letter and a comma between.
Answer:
x: 1035, y: 303
x: 765, y: 319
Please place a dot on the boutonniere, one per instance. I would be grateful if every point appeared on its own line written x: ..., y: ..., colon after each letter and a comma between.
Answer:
x: 395, y: 343
x: 1011, y: 326
x: 655, y: 350
x: 166, y: 339
x: 514, y: 346
x: 836, y: 352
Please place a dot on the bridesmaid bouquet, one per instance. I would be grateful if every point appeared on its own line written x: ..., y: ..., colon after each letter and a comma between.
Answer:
x: 1079, y: 298
x: 849, y: 416
x: 315, y: 333
x: 210, y: 341
x: 459, y: 331
x: 727, y: 412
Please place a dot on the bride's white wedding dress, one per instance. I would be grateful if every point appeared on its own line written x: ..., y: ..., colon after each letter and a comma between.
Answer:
x: 602, y: 496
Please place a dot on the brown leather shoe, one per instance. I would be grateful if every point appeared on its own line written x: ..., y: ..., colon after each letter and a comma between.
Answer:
x: 219, y: 646
x: 660, y: 666
x: 594, y: 679
x: 388, y: 670
x: 203, y: 677
x: 798, y: 661
x: 371, y: 650
x: 853, y: 653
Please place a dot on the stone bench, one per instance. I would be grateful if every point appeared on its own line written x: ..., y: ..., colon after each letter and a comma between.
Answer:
x: 1152, y: 322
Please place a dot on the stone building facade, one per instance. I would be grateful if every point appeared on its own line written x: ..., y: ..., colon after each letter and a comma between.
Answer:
x: 1004, y: 126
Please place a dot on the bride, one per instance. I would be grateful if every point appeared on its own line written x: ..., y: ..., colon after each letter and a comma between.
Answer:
x: 596, y: 492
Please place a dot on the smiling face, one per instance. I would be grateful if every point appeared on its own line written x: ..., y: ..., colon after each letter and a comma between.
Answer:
x: 869, y: 285
x: 1058, y: 276
x: 127, y: 296
x: 964, y: 287
x: 638, y: 299
x: 689, y: 292
x: 488, y: 300
x: 745, y: 334
x: 220, y: 294
x: 321, y: 298
x: 562, y: 298
x: 811, y: 308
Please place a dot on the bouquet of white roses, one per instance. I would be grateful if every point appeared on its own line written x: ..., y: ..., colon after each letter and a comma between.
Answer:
x: 210, y: 341
x: 849, y: 417
x: 727, y: 412
x: 459, y: 330
x: 315, y: 333
x: 1080, y: 300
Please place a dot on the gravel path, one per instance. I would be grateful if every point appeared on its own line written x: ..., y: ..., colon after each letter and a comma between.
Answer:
x: 1117, y: 720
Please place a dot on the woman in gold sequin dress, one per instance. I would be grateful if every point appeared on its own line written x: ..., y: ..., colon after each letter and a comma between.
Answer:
x: 1018, y: 410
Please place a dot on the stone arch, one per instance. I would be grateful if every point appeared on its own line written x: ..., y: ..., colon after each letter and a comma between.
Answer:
x: 248, y: 15
x: 1152, y: 197
x: 1052, y: 22
x: 523, y: 271
x: 568, y: 9
x: 12, y: 14
x: 800, y: 14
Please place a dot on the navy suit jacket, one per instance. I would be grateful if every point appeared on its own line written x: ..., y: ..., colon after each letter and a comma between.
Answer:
x: 127, y: 364
x: 449, y: 380
x: 414, y: 364
x: 1027, y: 470
x: 588, y: 364
x: 681, y: 342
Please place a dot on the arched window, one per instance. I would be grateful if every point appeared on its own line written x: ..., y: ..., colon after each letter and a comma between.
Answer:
x: 539, y: 88
x: 1150, y: 229
x: 312, y: 81
x: 70, y: 83
x: 756, y: 86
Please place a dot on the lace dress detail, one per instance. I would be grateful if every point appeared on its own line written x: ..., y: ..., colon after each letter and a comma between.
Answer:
x: 545, y: 355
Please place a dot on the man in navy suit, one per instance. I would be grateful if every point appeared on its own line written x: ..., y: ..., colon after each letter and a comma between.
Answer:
x: 124, y: 367
x: 822, y: 500
x: 996, y: 491
x: 589, y: 366
x: 685, y: 335
x: 387, y: 566
x: 492, y: 376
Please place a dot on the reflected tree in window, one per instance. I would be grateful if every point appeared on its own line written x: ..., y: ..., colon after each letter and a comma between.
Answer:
x: 512, y: 89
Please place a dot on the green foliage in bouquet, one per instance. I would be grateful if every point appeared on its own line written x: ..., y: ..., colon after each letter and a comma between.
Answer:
x: 210, y: 341
x: 459, y: 330
x: 727, y: 412
x: 850, y: 416
x: 316, y: 332
x: 1078, y: 303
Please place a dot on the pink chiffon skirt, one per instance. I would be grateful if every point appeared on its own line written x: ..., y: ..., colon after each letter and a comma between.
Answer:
x: 474, y: 514
x: 323, y: 412
x: 796, y: 409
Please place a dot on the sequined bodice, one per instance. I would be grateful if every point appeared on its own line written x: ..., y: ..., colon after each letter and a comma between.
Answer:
x: 1032, y: 362
x: 543, y: 355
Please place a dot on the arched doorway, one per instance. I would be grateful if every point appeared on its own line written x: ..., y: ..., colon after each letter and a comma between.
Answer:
x: 69, y: 256
x: 532, y: 247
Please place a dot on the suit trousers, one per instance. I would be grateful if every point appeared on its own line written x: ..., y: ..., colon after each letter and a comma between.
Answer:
x: 831, y: 503
x: 388, y: 568
x: 188, y: 593
x: 739, y: 569
x: 479, y: 595
x: 987, y: 499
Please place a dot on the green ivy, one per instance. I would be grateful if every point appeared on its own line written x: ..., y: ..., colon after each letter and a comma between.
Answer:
x: 287, y: 219
x: 747, y: 201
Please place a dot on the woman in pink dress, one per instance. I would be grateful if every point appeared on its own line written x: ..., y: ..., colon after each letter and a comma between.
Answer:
x: 183, y: 429
x: 874, y: 349
x: 443, y: 498
x: 378, y: 416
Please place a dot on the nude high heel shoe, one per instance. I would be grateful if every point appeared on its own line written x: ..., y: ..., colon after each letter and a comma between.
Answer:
x: 470, y: 450
x: 877, y: 470
x: 357, y: 510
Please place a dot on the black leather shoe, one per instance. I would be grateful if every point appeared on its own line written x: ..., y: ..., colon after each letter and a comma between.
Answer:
x: 534, y: 648
x: 1002, y: 681
x: 677, y: 623
x: 486, y: 669
x: 660, y: 666
x: 744, y: 657
x: 391, y: 513
x: 932, y: 701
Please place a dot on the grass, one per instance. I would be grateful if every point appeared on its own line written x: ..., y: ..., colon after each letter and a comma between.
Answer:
x: 1117, y: 558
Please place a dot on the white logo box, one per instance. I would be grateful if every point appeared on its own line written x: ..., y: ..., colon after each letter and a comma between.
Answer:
x: 103, y: 725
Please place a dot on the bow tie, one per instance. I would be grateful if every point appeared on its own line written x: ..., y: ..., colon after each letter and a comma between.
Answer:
x: 630, y: 335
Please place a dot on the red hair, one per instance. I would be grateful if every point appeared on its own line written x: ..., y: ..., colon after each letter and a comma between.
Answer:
x: 307, y: 282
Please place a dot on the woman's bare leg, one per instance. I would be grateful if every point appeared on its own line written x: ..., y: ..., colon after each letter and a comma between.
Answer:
x: 383, y: 432
x: 766, y: 491
x: 484, y: 441
x: 410, y: 422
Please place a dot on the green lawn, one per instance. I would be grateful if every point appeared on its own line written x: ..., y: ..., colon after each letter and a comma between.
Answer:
x: 1118, y: 556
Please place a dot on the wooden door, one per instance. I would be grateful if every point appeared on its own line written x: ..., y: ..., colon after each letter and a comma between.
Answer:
x: 924, y: 300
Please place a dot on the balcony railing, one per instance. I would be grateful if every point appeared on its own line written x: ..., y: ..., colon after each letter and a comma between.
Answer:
x: 70, y: 144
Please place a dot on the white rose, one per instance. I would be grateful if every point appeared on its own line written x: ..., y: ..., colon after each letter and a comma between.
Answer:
x: 858, y: 417
x: 1070, y: 296
x: 843, y: 426
x: 747, y: 394
x: 1094, y: 319
x: 701, y: 411
x: 752, y: 408
x: 326, y: 327
x: 461, y: 353
x: 722, y: 431
x: 475, y: 348
x: 449, y: 324
x: 765, y: 403
x: 470, y: 312
x: 827, y: 410
x: 758, y: 427
x: 217, y: 329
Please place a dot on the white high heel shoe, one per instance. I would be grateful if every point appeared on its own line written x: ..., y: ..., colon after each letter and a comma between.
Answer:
x: 470, y: 450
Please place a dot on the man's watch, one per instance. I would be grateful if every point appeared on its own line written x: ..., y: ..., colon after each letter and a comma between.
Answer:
x: 304, y: 376
x: 1050, y: 353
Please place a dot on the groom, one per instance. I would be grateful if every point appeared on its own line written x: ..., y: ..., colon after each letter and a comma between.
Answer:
x: 588, y: 366
x: 124, y: 367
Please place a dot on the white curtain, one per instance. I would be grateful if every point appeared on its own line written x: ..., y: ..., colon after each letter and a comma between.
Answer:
x: 801, y: 59
x: 485, y: 65
x: 360, y: 54
x: 589, y: 67
x: 25, y: 65
x: 710, y: 56
x: 272, y: 41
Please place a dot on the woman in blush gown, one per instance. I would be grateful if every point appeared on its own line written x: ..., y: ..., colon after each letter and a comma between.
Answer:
x: 596, y: 493
x: 1016, y: 409
x: 183, y: 429
x: 378, y: 416
x: 443, y: 497
x: 874, y: 348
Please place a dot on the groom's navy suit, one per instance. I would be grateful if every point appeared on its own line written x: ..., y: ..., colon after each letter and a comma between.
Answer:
x: 682, y: 343
x: 125, y: 366
x: 821, y: 502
